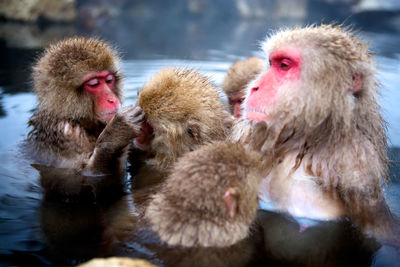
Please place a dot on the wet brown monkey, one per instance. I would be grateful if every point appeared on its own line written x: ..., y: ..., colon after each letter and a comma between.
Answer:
x: 79, y: 134
x: 238, y: 76
x: 314, y: 114
x: 183, y: 111
x: 209, y: 199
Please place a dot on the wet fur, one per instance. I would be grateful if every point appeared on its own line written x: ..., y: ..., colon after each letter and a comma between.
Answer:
x: 185, y: 110
x: 66, y: 132
x: 189, y: 209
x: 337, y: 138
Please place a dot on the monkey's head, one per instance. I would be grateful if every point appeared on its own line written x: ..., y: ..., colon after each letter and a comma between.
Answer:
x: 183, y: 110
x: 78, y: 79
x: 210, y: 198
x: 237, y: 79
x: 316, y: 75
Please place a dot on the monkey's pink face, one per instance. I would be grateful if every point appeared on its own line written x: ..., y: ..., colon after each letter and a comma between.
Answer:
x: 101, y: 87
x: 145, y: 137
x: 284, y: 69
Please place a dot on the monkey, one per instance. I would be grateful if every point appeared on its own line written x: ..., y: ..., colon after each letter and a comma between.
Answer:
x: 314, y: 118
x: 205, y: 214
x: 80, y: 137
x: 74, y: 233
x: 209, y: 199
x: 236, y: 80
x: 183, y: 111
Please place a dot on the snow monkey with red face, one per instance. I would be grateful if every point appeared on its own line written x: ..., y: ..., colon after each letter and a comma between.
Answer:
x: 313, y: 115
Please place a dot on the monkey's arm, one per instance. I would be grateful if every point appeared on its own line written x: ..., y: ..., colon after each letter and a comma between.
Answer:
x: 71, y: 185
x: 111, y: 146
x: 373, y: 214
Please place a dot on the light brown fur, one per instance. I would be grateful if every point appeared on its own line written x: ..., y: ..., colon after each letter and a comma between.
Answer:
x: 66, y: 131
x: 323, y: 131
x: 190, y: 211
x: 185, y: 110
x: 58, y: 74
x: 240, y: 74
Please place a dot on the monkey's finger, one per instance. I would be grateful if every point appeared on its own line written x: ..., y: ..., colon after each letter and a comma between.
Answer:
x: 138, y: 115
x: 137, y: 110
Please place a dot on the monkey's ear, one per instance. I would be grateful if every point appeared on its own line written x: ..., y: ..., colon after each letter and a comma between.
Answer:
x: 193, y: 129
x: 357, y: 83
x: 231, y: 198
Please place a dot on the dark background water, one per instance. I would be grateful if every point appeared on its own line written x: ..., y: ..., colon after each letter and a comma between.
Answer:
x: 151, y: 35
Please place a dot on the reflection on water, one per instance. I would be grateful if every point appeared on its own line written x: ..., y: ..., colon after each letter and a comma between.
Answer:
x: 38, y: 232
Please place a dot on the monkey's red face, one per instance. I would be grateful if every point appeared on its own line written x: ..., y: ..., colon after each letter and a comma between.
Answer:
x: 145, y: 136
x: 101, y: 87
x: 284, y: 70
x: 235, y: 101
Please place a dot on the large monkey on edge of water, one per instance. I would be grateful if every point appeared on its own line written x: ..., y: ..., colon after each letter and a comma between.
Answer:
x: 313, y: 115
x: 79, y: 135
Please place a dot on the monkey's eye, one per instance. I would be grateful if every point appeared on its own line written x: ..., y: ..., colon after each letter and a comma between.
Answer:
x: 110, y: 79
x: 240, y: 101
x: 93, y: 83
x: 285, y: 64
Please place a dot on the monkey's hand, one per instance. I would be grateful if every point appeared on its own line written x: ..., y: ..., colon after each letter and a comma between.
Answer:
x: 111, y: 145
x: 133, y: 117
x: 125, y: 126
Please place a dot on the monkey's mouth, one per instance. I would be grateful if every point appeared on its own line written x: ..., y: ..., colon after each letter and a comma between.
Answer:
x: 108, y: 115
x: 111, y: 113
x: 253, y: 114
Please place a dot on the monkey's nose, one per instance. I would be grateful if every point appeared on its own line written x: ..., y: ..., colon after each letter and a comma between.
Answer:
x: 110, y: 100
x: 254, y: 89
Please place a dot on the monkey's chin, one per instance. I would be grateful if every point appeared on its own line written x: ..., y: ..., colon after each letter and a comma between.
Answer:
x: 106, y: 117
x: 256, y: 116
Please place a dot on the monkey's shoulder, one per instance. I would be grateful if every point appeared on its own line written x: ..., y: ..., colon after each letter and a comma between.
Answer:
x: 54, y: 141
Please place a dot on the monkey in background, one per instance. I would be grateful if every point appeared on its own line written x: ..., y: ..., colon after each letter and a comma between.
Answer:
x: 183, y: 111
x: 79, y: 135
x: 209, y: 199
x: 313, y: 115
x: 238, y: 76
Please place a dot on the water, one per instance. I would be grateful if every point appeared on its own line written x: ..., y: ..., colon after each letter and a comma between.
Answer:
x: 35, y: 232
x: 28, y: 226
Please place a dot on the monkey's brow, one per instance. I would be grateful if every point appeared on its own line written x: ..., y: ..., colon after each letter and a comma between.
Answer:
x: 117, y: 74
